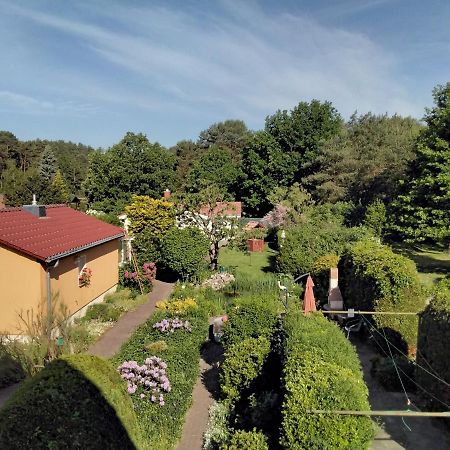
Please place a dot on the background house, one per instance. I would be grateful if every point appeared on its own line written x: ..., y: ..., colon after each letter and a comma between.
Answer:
x: 49, y: 250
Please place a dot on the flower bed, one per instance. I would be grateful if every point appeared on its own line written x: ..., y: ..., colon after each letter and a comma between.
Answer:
x: 170, y: 325
x: 162, y: 423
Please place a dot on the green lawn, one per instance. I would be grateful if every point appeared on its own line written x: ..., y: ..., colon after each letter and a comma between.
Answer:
x: 254, y: 265
x: 432, y: 263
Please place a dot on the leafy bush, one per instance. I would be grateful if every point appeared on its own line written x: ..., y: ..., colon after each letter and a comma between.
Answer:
x: 217, y: 432
x: 375, y: 217
x: 183, y: 251
x: 314, y: 378
x: 146, y: 246
x: 162, y: 426
x: 250, y: 319
x: 305, y: 243
x: 129, y: 277
x: 10, y: 369
x: 434, y: 348
x: 374, y: 278
x: 77, y: 401
x: 104, y: 312
x: 320, y: 272
x: 177, y: 306
x: 248, y: 440
x: 242, y: 364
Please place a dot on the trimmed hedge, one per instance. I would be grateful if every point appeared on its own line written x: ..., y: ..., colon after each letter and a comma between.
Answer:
x: 249, y: 319
x: 162, y: 426
x: 374, y: 278
x: 322, y: 371
x: 242, y: 364
x: 78, y: 402
x: 434, y: 348
x: 305, y: 243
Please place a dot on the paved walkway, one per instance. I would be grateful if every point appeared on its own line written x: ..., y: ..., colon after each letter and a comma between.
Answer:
x: 391, y: 433
x: 111, y: 341
x: 205, y: 391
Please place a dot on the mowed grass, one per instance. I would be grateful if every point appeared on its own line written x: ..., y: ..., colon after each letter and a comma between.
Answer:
x: 433, y: 264
x: 253, y: 265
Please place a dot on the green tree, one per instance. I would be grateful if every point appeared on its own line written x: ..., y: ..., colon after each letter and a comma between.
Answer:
x: 133, y: 166
x: 422, y: 212
x: 216, y: 167
x: 48, y: 164
x: 230, y: 134
x: 300, y: 132
x: 187, y: 153
x: 365, y: 160
x: 375, y: 217
x: 59, y: 191
x: 154, y: 216
x: 8, y: 145
x: 264, y: 167
x: 208, y: 211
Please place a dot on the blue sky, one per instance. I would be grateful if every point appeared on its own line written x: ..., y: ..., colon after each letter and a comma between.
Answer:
x: 88, y: 71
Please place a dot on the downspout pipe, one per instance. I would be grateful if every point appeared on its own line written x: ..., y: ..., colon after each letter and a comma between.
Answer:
x: 51, y: 265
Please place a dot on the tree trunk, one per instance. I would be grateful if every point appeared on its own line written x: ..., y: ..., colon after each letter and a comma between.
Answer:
x: 213, y: 255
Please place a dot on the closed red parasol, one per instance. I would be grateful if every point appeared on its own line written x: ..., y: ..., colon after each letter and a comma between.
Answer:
x: 309, y: 302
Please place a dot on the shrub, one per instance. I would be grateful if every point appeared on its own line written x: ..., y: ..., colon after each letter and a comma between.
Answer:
x: 183, y: 251
x: 242, y: 364
x: 162, y: 426
x: 146, y: 246
x: 156, y: 347
x: 77, y: 401
x: 177, y: 306
x: 305, y: 243
x: 171, y: 325
x: 434, y: 348
x: 248, y: 440
x: 374, y: 278
x: 10, y: 370
x: 314, y: 378
x: 217, y: 432
x: 248, y: 320
x: 320, y: 272
x: 129, y: 277
x: 104, y: 312
x: 375, y: 217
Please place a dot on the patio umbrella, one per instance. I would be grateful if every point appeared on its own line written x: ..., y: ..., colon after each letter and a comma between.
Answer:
x: 309, y: 302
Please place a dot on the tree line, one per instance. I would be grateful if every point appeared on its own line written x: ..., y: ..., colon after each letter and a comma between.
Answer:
x: 389, y: 167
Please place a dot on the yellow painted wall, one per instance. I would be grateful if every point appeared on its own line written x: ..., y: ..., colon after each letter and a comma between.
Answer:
x: 102, y: 260
x: 21, y: 288
x: 23, y: 281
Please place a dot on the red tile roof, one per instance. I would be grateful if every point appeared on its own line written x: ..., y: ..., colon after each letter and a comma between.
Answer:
x: 230, y: 209
x: 63, y: 231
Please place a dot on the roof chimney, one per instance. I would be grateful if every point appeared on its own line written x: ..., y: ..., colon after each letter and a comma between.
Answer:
x: 35, y: 209
x: 166, y: 194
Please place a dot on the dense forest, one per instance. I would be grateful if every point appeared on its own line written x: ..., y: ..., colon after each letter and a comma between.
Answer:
x: 384, y: 168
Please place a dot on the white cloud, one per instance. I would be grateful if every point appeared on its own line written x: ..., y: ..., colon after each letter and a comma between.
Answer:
x: 240, y: 61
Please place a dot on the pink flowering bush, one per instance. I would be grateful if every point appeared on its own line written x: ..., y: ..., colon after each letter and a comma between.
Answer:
x: 129, y: 277
x: 149, y: 380
x: 170, y: 325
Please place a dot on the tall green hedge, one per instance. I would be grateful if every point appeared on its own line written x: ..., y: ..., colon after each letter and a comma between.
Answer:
x: 77, y: 402
x: 434, y: 348
x: 305, y: 243
x: 372, y: 277
x: 162, y: 426
x: 322, y: 371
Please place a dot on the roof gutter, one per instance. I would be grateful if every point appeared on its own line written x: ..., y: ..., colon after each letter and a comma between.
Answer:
x: 84, y: 247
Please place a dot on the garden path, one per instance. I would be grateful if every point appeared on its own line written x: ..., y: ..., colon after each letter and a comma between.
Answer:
x: 111, y: 341
x: 206, y: 390
x: 426, y: 433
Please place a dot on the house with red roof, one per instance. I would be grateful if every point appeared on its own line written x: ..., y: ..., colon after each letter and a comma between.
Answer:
x: 54, y: 252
